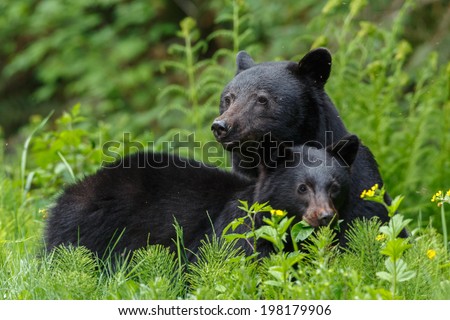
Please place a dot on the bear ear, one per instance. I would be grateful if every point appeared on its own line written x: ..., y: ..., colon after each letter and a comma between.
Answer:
x: 243, y: 61
x: 316, y: 65
x: 345, y: 150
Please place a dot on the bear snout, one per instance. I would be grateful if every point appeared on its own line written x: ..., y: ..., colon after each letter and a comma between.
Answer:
x: 220, y: 129
x: 321, y: 218
x: 327, y: 218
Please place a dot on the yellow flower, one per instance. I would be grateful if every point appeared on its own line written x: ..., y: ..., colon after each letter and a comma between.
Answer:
x: 436, y: 196
x: 431, y: 254
x: 381, y: 237
x: 44, y: 213
x: 441, y: 198
x: 369, y: 193
x: 279, y: 213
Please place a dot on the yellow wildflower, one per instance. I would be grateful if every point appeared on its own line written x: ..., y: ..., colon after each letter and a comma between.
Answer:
x: 441, y: 198
x: 431, y: 254
x: 369, y: 193
x: 381, y: 237
x: 279, y: 213
x: 44, y: 213
x: 436, y: 196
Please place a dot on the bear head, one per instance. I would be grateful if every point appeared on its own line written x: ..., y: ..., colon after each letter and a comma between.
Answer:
x: 276, y: 97
x: 310, y: 183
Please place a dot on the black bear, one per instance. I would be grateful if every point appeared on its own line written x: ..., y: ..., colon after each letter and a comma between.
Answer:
x: 288, y: 100
x: 133, y: 203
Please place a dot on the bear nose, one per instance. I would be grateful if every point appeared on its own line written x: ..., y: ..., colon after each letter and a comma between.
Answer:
x: 220, y: 129
x: 326, y: 218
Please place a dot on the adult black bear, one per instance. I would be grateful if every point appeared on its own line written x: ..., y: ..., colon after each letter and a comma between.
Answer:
x: 134, y: 202
x: 288, y: 100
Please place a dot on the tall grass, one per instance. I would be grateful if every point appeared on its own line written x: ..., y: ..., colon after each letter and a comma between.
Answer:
x: 402, y: 114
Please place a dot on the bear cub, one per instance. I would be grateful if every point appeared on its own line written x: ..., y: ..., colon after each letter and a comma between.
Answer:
x: 133, y: 203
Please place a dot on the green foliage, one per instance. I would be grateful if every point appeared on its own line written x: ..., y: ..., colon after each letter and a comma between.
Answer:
x: 156, y: 73
x: 251, y: 233
x: 76, y: 46
x: 222, y: 272
x: 66, y: 153
x: 153, y: 275
x: 72, y: 273
x: 191, y: 68
x: 275, y: 230
x: 363, y: 248
x: 279, y: 272
x: 396, y: 268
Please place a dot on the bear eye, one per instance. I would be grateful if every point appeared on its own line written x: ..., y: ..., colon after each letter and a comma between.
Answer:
x: 227, y: 101
x: 302, y: 188
x: 334, y: 188
x: 262, y: 100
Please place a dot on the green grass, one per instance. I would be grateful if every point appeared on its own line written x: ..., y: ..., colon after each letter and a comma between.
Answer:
x: 320, y: 271
x: 223, y: 273
x: 401, y: 112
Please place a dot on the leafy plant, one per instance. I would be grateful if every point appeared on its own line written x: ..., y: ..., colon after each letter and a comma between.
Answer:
x: 73, y: 272
x: 363, y: 248
x: 399, y: 87
x: 190, y: 68
x: 249, y: 222
x: 155, y: 268
x: 66, y: 153
x: 222, y: 271
x: 394, y: 248
x: 440, y: 198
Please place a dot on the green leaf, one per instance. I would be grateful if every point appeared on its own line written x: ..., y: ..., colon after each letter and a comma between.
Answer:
x: 234, y: 236
x: 233, y: 225
x: 395, y: 226
x: 384, y: 276
x: 267, y: 232
x: 269, y: 221
x: 402, y: 273
x: 397, y: 271
x: 244, y: 205
x: 395, y: 205
x: 301, y: 231
x: 270, y: 234
x: 284, y: 225
x: 395, y: 248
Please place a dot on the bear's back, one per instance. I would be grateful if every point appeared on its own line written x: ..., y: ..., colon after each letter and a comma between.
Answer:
x: 140, y: 192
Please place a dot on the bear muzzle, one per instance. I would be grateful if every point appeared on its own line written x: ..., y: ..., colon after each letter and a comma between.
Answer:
x: 321, y: 218
x: 220, y: 129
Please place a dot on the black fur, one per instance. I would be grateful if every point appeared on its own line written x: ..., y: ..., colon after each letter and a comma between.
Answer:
x: 134, y: 202
x: 288, y: 100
